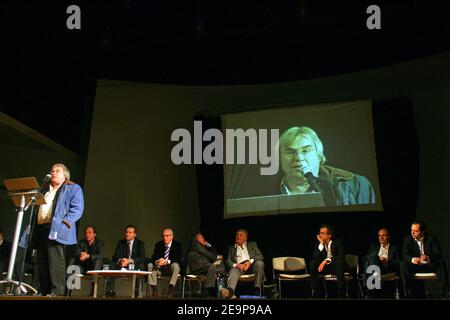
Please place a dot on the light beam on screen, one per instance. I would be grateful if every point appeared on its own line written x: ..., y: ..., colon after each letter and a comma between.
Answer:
x: 327, y: 162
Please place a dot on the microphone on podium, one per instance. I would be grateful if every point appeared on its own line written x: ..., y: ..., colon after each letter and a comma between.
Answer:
x: 45, y: 184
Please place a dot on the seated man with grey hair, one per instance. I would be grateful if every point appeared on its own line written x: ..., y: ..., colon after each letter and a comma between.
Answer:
x: 243, y: 258
x: 166, y: 261
x: 303, y: 163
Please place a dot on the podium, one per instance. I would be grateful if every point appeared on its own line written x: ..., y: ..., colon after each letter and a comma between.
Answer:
x: 24, y: 192
x: 274, y: 203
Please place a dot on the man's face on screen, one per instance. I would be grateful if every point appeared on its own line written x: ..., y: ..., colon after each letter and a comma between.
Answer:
x: 300, y: 155
x: 130, y: 234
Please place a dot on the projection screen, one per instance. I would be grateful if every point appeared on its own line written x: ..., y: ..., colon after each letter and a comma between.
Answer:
x: 323, y: 160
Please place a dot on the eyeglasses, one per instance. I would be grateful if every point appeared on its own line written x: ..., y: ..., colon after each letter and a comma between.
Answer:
x: 292, y: 153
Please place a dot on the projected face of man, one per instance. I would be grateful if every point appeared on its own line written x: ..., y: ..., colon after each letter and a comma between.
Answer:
x: 416, y: 232
x: 299, y: 155
x: 383, y: 237
x: 167, y: 236
x: 130, y: 234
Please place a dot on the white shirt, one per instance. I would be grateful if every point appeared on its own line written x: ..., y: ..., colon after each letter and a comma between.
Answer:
x: 384, y: 251
x: 420, y: 244
x: 242, y: 254
x: 45, y: 210
x: 328, y: 248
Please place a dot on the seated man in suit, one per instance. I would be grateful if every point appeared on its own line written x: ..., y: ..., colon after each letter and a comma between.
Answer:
x: 203, y: 258
x: 422, y: 253
x: 383, y: 254
x: 88, y: 254
x: 129, y: 254
x: 166, y: 260
x: 243, y: 258
x: 328, y: 258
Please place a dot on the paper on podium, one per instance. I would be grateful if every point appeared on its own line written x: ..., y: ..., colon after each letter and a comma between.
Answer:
x: 24, y: 186
x: 274, y: 203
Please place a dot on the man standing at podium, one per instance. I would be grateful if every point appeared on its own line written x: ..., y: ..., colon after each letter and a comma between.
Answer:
x: 56, y: 229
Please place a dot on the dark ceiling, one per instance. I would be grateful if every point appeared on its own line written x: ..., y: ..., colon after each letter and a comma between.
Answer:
x: 49, y: 72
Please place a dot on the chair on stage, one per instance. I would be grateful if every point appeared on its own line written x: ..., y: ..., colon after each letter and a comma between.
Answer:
x: 189, y: 278
x: 289, y: 269
x: 352, y: 261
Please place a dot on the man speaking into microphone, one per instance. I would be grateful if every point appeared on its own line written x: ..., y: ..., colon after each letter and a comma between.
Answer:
x: 56, y: 228
x: 303, y: 160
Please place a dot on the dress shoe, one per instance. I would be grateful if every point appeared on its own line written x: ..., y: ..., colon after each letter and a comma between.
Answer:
x: 40, y: 294
x: 110, y: 293
x: 155, y: 293
x: 223, y: 293
x: 226, y: 293
x: 315, y: 294
x: 171, y: 292
x: 53, y: 295
x: 205, y: 293
x: 341, y: 294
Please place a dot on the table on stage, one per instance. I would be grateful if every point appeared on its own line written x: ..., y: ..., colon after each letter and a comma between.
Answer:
x: 134, y: 274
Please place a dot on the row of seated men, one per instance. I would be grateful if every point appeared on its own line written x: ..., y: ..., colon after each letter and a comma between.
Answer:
x: 166, y: 260
x: 421, y: 253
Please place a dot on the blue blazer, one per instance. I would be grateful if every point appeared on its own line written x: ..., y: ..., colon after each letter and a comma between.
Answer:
x: 69, y: 208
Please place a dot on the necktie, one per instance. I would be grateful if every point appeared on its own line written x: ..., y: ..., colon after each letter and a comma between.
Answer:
x: 166, y: 256
x: 166, y: 253
x: 129, y: 250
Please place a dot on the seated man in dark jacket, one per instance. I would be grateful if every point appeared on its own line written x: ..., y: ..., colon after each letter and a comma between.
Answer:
x: 422, y: 254
x: 166, y: 260
x: 129, y: 254
x: 328, y: 258
x: 383, y: 254
x: 89, y: 252
x: 203, y: 258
